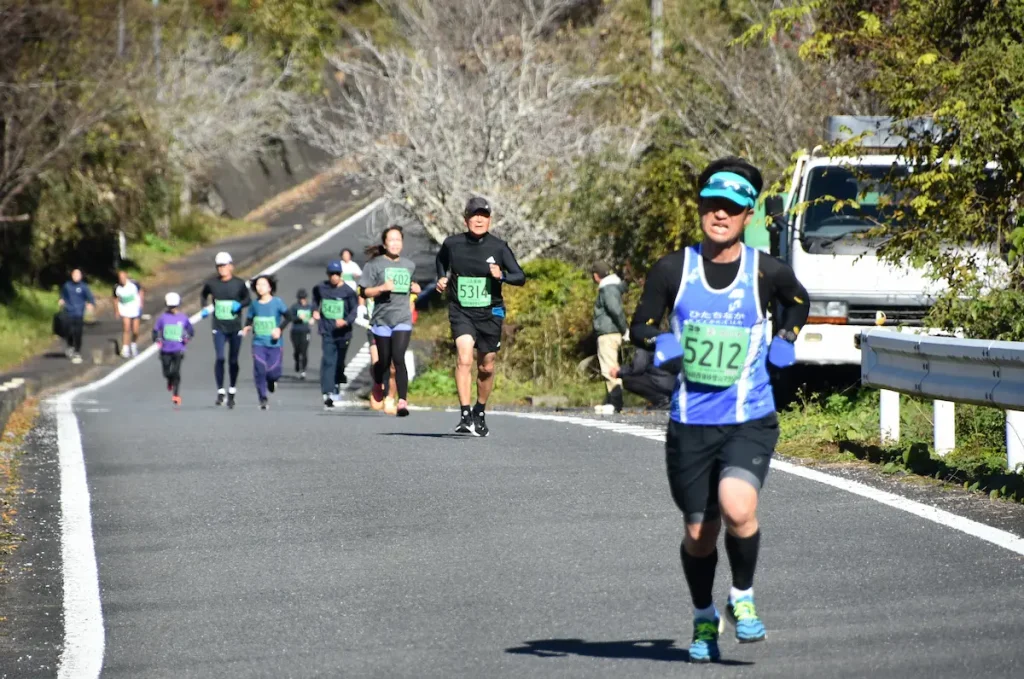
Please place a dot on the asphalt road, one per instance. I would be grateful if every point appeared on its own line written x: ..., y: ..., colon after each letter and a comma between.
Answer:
x: 302, y: 543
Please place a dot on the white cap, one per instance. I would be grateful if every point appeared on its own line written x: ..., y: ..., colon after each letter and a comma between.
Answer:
x: 222, y: 258
x: 172, y: 299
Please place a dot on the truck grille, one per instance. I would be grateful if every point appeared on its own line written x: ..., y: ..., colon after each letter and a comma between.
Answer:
x: 864, y: 314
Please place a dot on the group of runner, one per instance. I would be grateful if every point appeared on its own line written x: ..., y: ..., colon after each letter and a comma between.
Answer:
x: 723, y: 425
x: 381, y: 296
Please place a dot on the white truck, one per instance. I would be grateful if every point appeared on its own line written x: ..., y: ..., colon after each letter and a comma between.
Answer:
x: 850, y: 288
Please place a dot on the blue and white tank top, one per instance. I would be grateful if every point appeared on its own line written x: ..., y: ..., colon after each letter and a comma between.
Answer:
x: 725, y: 346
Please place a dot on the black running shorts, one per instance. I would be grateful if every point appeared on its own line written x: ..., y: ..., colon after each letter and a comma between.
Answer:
x: 699, y: 456
x: 481, y: 324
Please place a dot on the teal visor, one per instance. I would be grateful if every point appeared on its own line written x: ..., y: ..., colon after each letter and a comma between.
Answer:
x: 732, y: 187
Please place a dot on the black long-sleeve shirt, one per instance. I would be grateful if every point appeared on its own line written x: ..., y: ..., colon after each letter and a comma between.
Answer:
x: 466, y: 256
x: 776, y: 281
x: 223, y: 293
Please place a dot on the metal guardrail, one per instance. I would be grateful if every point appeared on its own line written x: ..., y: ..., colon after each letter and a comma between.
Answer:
x: 949, y: 370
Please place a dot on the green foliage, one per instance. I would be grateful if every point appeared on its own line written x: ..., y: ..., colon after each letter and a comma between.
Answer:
x: 294, y: 32
x: 961, y: 65
x: 547, y: 319
x: 636, y: 215
x: 435, y: 381
x: 845, y: 426
x: 25, y: 323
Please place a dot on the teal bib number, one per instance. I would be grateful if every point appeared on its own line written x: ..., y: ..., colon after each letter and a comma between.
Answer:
x: 474, y: 292
x: 347, y: 277
x: 333, y: 309
x: 127, y: 299
x: 401, y: 278
x: 714, y: 354
x: 304, y: 315
x: 222, y: 309
x: 173, y: 333
x: 264, y: 326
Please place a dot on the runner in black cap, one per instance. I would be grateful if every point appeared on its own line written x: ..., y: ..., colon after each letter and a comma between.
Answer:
x: 472, y: 266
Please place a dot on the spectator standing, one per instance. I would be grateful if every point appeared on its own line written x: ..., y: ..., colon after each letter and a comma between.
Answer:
x: 610, y: 325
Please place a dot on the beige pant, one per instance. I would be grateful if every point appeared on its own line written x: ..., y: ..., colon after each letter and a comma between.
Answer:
x: 608, y: 356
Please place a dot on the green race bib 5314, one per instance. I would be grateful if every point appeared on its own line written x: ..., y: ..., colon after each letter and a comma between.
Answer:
x: 714, y: 354
x: 173, y: 332
x: 474, y: 292
x: 400, y: 277
x: 332, y: 309
x: 222, y: 309
x: 263, y: 326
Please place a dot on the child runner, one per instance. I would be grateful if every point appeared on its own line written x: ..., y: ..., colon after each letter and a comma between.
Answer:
x: 302, y: 316
x: 171, y: 332
x: 268, y: 317
x: 388, y: 280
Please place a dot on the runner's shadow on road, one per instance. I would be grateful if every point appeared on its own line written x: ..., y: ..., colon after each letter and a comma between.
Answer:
x: 426, y: 435
x: 663, y: 650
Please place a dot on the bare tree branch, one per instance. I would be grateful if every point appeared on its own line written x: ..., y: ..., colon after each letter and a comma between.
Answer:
x: 451, y: 116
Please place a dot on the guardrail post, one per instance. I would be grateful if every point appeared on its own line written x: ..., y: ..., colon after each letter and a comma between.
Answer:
x: 1014, y: 439
x: 889, y: 420
x: 944, y: 426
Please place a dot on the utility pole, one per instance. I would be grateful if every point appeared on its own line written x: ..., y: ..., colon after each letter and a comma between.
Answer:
x: 120, y: 29
x: 657, y: 35
x: 156, y: 44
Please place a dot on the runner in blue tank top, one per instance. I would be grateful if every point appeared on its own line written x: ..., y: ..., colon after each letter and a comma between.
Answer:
x: 723, y: 427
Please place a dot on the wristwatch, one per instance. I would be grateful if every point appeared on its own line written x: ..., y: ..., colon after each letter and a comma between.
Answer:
x: 787, y: 335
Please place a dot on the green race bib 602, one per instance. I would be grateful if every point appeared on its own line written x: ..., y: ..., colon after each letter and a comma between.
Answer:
x: 401, y: 278
x: 332, y: 309
x: 173, y: 332
x: 222, y: 309
x: 304, y: 315
x: 474, y: 292
x: 714, y: 354
x: 263, y: 326
x: 127, y: 299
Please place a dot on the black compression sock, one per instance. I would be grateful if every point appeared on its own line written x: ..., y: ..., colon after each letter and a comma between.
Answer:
x: 700, y: 576
x: 466, y: 412
x: 742, y: 558
x: 479, y: 407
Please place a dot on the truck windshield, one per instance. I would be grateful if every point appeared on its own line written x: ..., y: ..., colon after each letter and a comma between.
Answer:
x: 869, y: 187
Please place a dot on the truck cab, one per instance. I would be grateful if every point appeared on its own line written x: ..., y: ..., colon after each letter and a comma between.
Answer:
x: 831, y: 203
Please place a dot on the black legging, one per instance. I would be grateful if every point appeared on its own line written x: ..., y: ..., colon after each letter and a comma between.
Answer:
x: 392, y: 350
x: 172, y: 369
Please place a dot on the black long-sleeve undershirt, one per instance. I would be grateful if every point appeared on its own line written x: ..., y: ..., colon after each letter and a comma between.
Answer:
x: 776, y: 281
x: 465, y: 255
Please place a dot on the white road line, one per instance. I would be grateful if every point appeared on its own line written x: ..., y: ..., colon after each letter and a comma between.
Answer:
x: 998, y: 537
x: 82, y: 654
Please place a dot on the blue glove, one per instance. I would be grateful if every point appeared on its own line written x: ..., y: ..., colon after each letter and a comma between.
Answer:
x: 781, y: 353
x: 235, y: 306
x: 666, y: 348
x: 204, y: 313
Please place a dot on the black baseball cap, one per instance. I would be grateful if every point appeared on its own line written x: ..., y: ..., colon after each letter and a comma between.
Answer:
x: 301, y: 294
x: 477, y: 205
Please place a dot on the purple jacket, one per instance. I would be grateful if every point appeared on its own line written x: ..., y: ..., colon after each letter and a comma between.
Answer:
x: 174, y: 331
